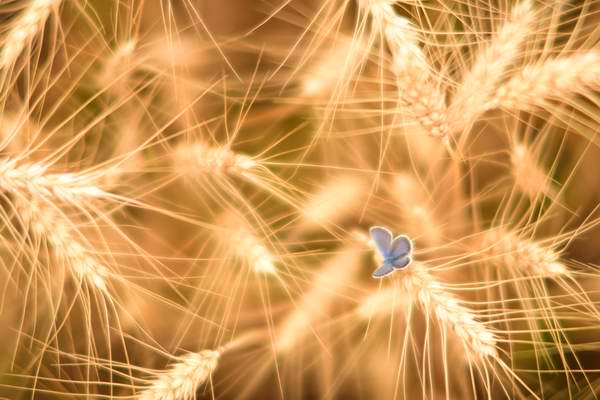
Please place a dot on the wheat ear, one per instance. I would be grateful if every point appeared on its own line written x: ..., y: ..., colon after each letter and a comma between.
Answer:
x: 249, y: 247
x: 556, y: 79
x: 491, y: 64
x: 202, y: 158
x: 46, y: 223
x: 25, y: 28
x: 34, y: 181
x: 435, y: 300
x: 183, y: 378
x: 529, y: 176
x: 418, y: 92
x: 527, y: 256
x: 34, y: 193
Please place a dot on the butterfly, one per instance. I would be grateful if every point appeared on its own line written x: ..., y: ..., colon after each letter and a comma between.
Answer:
x: 395, y: 252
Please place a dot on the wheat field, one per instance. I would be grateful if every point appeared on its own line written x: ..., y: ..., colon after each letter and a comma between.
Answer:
x: 299, y: 199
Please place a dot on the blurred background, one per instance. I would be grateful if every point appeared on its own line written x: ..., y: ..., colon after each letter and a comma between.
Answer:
x: 188, y: 186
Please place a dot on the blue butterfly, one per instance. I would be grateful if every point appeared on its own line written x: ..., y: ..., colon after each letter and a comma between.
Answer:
x: 395, y: 253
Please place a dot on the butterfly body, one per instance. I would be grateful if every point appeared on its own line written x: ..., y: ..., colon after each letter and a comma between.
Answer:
x: 395, y: 252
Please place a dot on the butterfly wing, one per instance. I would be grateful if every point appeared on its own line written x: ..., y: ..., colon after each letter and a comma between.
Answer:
x: 400, y: 247
x: 382, y: 271
x: 402, y: 262
x: 382, y: 238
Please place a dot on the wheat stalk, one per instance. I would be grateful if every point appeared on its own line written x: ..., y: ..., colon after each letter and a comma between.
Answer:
x: 182, y: 379
x: 491, y: 64
x: 25, y: 28
x: 556, y: 79
x: 418, y: 92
